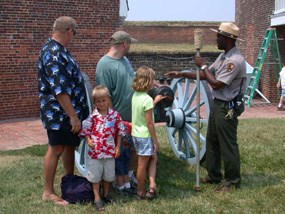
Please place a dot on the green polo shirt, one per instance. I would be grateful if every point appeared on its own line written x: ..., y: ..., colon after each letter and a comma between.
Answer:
x: 117, y: 75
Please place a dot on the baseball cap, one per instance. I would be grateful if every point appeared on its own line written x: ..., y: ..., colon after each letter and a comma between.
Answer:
x: 122, y: 36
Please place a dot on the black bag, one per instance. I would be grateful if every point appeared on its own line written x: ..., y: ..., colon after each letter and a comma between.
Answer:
x: 239, y: 104
x: 76, y: 189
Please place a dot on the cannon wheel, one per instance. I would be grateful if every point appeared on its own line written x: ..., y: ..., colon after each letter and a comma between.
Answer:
x: 81, y: 157
x: 81, y: 152
x: 182, y: 135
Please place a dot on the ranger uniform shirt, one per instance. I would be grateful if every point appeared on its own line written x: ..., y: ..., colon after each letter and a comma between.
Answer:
x: 229, y: 68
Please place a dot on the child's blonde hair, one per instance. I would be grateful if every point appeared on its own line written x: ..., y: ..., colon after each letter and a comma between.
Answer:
x: 100, y: 91
x: 143, y: 79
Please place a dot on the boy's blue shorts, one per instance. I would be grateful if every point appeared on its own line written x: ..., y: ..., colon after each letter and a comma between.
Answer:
x: 122, y: 163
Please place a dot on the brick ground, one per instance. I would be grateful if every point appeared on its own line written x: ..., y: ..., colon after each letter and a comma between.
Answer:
x: 21, y: 133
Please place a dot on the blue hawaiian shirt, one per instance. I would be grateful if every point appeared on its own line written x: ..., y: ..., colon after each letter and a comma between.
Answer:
x: 58, y: 73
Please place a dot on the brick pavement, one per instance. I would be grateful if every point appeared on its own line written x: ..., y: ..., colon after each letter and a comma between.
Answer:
x: 21, y: 133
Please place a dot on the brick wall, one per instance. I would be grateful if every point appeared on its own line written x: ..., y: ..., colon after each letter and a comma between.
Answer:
x: 253, y: 18
x: 161, y: 63
x: 26, y: 25
x: 170, y: 32
x: 281, y: 36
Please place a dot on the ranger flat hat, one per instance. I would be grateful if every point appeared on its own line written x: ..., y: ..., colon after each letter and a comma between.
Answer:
x: 228, y: 29
x: 121, y: 37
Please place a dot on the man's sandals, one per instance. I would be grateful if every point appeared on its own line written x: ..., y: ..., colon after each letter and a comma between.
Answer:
x: 55, y: 199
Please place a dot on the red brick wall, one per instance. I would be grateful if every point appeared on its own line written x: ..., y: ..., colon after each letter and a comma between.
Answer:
x: 171, y: 32
x: 164, y: 62
x: 253, y: 18
x: 281, y: 36
x: 26, y: 25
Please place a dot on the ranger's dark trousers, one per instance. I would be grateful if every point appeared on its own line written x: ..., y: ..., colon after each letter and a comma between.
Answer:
x: 222, y: 145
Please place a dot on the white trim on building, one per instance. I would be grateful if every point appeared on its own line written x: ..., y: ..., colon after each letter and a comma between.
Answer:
x: 278, y: 17
x: 124, y: 8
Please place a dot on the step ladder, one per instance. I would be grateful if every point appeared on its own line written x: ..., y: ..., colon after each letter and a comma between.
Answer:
x: 269, y: 38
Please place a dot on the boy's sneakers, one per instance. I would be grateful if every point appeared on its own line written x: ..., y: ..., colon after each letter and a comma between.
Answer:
x: 130, y: 191
x: 109, y: 199
x: 133, y: 180
x: 126, y: 191
x: 280, y: 108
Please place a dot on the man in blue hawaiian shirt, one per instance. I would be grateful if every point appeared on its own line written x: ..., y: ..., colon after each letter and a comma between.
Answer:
x: 62, y: 102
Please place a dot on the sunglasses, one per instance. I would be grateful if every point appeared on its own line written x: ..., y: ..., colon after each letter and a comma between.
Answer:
x: 74, y: 31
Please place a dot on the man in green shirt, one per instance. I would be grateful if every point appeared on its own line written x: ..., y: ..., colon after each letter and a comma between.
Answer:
x: 115, y: 71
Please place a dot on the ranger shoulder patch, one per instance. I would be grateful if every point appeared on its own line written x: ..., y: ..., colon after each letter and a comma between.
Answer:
x: 230, y: 67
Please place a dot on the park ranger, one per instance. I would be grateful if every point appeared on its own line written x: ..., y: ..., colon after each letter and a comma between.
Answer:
x: 227, y: 77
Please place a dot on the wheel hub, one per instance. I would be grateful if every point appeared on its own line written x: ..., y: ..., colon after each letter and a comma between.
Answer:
x: 176, y: 118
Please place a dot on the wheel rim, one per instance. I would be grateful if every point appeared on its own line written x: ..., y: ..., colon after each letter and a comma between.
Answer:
x: 81, y: 151
x: 182, y: 128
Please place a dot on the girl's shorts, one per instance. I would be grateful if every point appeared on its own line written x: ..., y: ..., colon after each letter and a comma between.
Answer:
x: 143, y: 146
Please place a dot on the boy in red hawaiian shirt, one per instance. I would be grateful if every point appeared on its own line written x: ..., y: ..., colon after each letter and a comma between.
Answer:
x: 102, y: 130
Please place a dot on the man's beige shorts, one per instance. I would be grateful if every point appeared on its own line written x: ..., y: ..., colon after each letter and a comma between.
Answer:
x: 100, y: 169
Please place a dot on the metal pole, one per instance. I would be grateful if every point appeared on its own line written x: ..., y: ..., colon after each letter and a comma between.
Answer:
x: 198, y: 46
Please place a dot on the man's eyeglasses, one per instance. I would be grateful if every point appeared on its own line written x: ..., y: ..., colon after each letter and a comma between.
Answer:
x: 74, y: 31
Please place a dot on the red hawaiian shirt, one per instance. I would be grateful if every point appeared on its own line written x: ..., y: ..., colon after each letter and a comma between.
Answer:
x: 103, y: 131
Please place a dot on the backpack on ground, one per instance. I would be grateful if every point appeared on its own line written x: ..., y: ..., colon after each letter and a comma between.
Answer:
x: 76, y: 189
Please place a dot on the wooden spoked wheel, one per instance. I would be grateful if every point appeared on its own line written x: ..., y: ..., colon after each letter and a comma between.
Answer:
x: 182, y: 126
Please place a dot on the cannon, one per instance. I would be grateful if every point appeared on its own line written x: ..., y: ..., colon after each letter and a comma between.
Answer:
x: 179, y: 112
